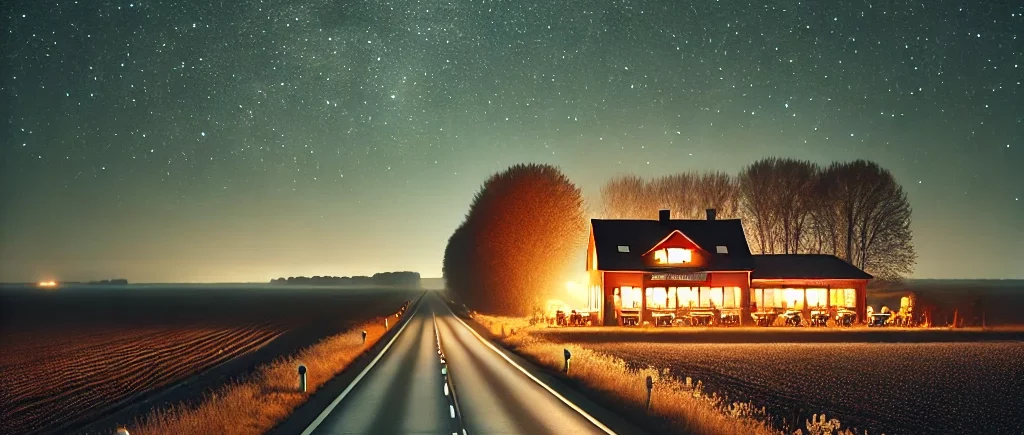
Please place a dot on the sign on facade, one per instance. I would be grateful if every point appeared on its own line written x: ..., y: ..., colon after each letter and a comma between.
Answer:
x: 694, y: 276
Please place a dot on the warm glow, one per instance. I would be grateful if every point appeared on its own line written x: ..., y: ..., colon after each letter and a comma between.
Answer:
x: 47, y: 284
x: 673, y: 256
x: 678, y: 255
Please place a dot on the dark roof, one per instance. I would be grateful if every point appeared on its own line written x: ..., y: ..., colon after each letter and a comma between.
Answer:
x: 805, y: 266
x: 642, y: 235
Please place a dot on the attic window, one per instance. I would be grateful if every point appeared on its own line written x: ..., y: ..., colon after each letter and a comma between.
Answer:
x: 722, y: 249
x: 623, y: 248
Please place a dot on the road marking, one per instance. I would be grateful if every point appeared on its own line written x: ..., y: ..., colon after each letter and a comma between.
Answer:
x: 446, y: 389
x: 451, y: 409
x: 327, y: 411
x: 589, y: 417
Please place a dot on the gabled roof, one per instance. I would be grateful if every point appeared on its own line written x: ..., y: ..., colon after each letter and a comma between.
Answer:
x: 805, y: 266
x: 642, y: 235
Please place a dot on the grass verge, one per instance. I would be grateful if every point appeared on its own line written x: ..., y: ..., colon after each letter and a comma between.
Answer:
x: 259, y: 403
x: 678, y: 406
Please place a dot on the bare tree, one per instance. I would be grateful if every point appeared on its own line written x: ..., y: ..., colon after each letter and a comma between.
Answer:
x: 866, y: 218
x: 719, y: 191
x: 686, y: 194
x: 777, y: 200
x: 757, y: 189
x: 627, y: 197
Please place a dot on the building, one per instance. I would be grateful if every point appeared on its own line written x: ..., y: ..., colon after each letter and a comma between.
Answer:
x: 657, y: 270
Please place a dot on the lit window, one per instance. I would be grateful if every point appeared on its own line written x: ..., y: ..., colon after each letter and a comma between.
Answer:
x: 816, y: 297
x: 731, y: 297
x: 657, y: 297
x: 623, y: 248
x: 630, y: 297
x: 722, y: 249
x: 660, y: 257
x: 678, y: 255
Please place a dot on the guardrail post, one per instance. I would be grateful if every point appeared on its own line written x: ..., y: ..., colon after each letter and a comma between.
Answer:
x: 650, y: 386
x: 302, y: 378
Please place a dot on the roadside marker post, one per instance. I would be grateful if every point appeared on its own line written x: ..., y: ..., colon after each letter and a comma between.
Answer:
x: 568, y: 356
x: 650, y: 387
x: 302, y: 378
x: 385, y: 323
x: 364, y: 336
x: 121, y: 431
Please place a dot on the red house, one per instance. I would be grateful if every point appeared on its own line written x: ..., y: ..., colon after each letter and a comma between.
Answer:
x: 659, y: 270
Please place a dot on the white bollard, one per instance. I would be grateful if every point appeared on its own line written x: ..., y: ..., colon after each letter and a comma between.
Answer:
x: 302, y: 378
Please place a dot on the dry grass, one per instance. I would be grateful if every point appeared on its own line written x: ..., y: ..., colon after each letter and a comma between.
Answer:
x: 682, y: 406
x: 264, y: 400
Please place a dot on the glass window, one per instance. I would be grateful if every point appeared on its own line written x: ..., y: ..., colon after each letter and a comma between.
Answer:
x: 630, y: 297
x: 772, y: 298
x: 757, y: 297
x: 660, y: 256
x: 672, y: 298
x: 657, y: 298
x: 688, y: 297
x: 816, y: 297
x: 710, y: 296
x: 731, y: 297
x: 846, y: 298
x: 794, y: 298
x: 678, y: 255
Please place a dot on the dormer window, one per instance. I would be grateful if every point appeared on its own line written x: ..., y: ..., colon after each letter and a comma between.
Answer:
x: 722, y: 249
x: 673, y: 256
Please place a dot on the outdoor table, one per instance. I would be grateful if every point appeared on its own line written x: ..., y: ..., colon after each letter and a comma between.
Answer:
x: 701, y: 318
x: 662, y: 319
x: 763, y: 318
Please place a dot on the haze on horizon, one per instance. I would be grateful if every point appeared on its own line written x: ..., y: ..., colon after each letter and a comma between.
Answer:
x: 188, y: 141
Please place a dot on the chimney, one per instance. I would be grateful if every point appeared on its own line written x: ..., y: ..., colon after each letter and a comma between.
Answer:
x: 664, y: 215
x: 711, y: 214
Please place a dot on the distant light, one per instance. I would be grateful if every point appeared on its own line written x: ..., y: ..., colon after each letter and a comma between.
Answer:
x: 47, y: 284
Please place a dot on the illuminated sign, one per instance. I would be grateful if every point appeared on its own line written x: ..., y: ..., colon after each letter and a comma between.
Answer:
x: 694, y: 276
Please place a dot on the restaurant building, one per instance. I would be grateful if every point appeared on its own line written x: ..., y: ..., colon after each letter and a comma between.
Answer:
x: 660, y: 270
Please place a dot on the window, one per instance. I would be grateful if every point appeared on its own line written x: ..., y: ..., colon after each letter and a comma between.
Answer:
x: 816, y: 297
x: 794, y: 298
x: 631, y: 297
x: 710, y: 296
x: 678, y: 255
x: 731, y: 297
x: 672, y: 298
x: 657, y: 298
x: 623, y: 248
x: 673, y: 256
x: 687, y: 296
x: 722, y: 249
x: 846, y: 298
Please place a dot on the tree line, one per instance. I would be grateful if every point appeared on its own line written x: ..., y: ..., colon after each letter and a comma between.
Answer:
x: 411, y: 279
x: 854, y: 210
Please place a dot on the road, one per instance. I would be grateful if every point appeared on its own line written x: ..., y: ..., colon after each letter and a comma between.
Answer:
x: 404, y: 392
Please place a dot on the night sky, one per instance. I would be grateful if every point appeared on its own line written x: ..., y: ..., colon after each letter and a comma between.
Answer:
x: 245, y: 140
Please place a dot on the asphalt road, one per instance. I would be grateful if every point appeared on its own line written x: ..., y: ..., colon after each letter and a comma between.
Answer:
x: 486, y: 392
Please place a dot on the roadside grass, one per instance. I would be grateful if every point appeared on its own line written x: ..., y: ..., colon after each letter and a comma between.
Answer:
x: 259, y: 403
x: 680, y: 406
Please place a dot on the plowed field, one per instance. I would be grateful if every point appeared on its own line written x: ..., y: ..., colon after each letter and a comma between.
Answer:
x: 71, y: 357
x: 891, y: 388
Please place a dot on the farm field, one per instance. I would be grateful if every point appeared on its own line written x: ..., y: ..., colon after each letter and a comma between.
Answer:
x: 892, y: 388
x: 75, y: 355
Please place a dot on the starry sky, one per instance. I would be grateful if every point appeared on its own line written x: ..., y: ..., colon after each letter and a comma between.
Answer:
x: 202, y: 141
